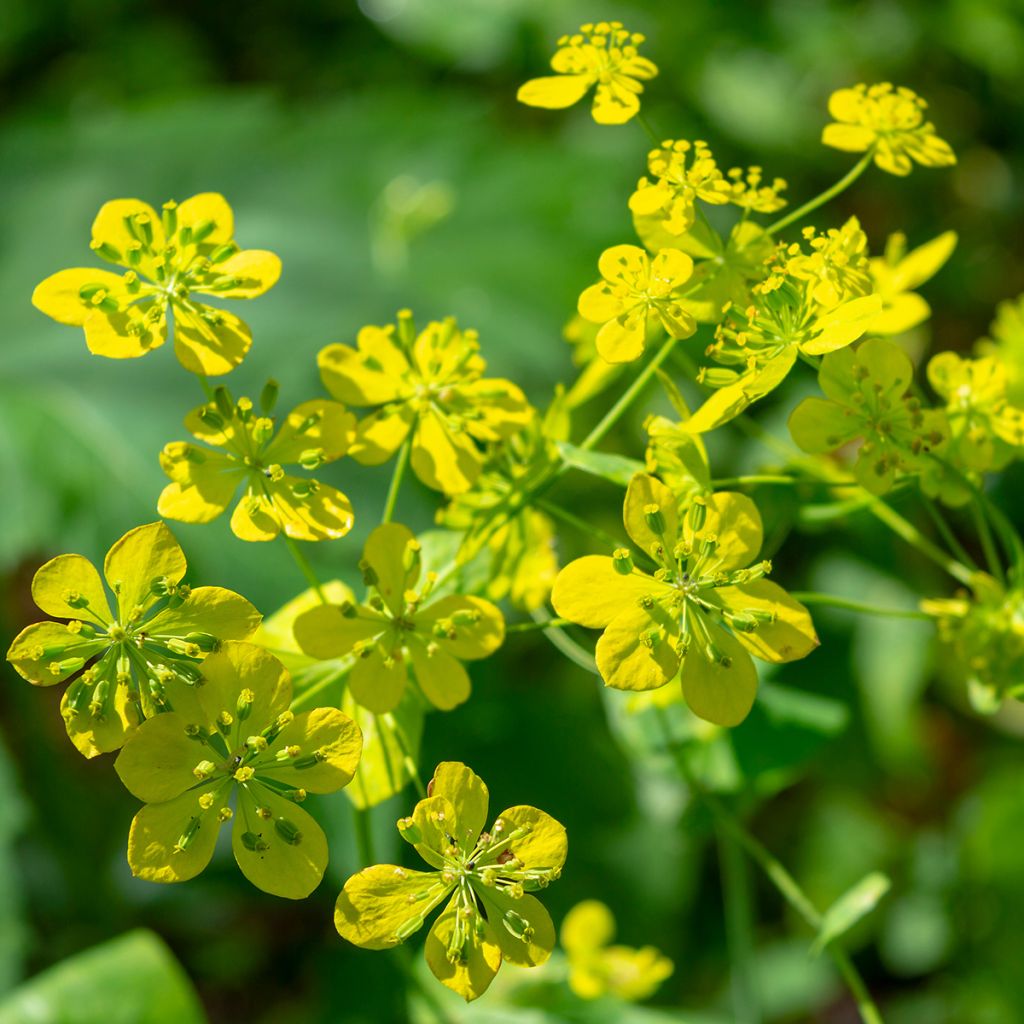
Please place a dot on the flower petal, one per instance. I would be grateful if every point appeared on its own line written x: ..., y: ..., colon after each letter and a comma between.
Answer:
x: 600, y: 303
x: 467, y: 793
x: 324, y: 632
x: 472, y: 639
x: 48, y: 652
x: 848, y: 137
x: 128, y: 333
x: 616, y: 102
x: 635, y: 651
x: 62, y: 582
x: 290, y: 853
x: 60, y: 295
x: 733, y: 519
x: 241, y: 666
x: 622, y: 339
x: 156, y: 834
x: 210, y: 215
x: 790, y: 637
x: 378, y: 685
x: 719, y: 694
x: 544, y: 846
x: 369, y: 375
x: 587, y: 927
x: 204, y: 482
x: 157, y: 760
x: 140, y: 558
x: 379, y: 435
x: 818, y: 425
x: 322, y: 514
x: 333, y: 737
x: 643, y: 492
x: 318, y: 425
x: 554, y: 92
x: 209, y: 341
x: 441, y: 677
x: 381, y: 905
x: 123, y: 225
x: 94, y: 734
x: 591, y: 592
x: 385, y: 554
x: 255, y: 271
x: 527, y: 952
x: 443, y: 459
x: 473, y: 970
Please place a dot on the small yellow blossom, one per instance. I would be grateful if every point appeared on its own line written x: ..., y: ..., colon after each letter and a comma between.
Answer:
x: 430, y: 387
x: 398, y: 629
x: 895, y: 276
x: 888, y: 121
x: 597, y: 968
x: 241, y: 739
x: 835, y: 264
x: 749, y: 192
x: 602, y: 54
x: 637, y: 290
x: 171, y: 257
x: 681, y: 172
x: 132, y: 658
x: 703, y: 612
x: 485, y: 878
x: 253, y: 453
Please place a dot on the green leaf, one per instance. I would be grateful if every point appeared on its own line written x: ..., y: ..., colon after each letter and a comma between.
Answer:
x: 854, y: 905
x: 132, y: 979
x: 615, y: 468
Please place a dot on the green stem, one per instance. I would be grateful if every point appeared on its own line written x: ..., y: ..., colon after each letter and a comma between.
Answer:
x: 739, y: 929
x: 647, y: 127
x: 913, y: 536
x: 754, y: 480
x: 988, y: 544
x: 396, y: 480
x: 364, y: 835
x: 528, y: 627
x: 830, y: 193
x: 303, y: 698
x: 408, y: 760
x: 204, y: 383
x: 775, y: 871
x: 834, y: 601
x: 611, y: 417
x: 946, y: 531
x: 306, y: 569
x: 563, y: 643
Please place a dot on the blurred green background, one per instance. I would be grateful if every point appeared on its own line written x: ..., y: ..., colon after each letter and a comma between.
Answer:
x: 379, y: 150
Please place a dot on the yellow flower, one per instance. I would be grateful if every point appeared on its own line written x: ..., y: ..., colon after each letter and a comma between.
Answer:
x: 241, y: 740
x: 635, y: 291
x: 254, y: 452
x: 188, y: 250
x: 985, y: 429
x: 398, y: 629
x: 430, y: 387
x: 890, y: 122
x: 1006, y: 343
x: 490, y: 915
x: 604, y: 55
x: 895, y: 276
x: 681, y: 173
x: 750, y: 193
x: 702, y: 613
x: 136, y: 656
x: 597, y: 968
x: 836, y: 267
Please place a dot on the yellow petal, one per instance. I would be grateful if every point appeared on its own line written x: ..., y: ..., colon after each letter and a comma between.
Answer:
x: 719, y: 694
x: 818, y: 426
x: 554, y: 92
x: 255, y: 270
x: 441, y: 677
x: 635, y: 651
x: 201, y: 490
x: 123, y: 225
x: 336, y: 741
x: 293, y: 861
x: 622, y: 339
x: 319, y: 426
x: 48, y: 652
x: 529, y: 952
x: 322, y: 514
x: 59, y: 296
x: 901, y: 313
x: 591, y: 592
x: 371, y: 375
x: 545, y: 845
x: 140, y: 558
x: 733, y: 519
x: 94, y: 735
x: 209, y: 341
x: 239, y: 666
x: 65, y: 581
x: 433, y: 818
x: 380, y: 905
x: 924, y: 262
x: 157, y: 760
x: 129, y: 333
x: 615, y: 102
x: 206, y: 209
x: 600, y: 303
x: 379, y: 435
x: 844, y: 325
x: 501, y: 406
x: 385, y: 552
x: 215, y: 610
x: 377, y: 685
x: 643, y: 492
x: 255, y: 518
x: 442, y: 459
x: 472, y: 973
x: 669, y: 269
x: 467, y: 793
x: 625, y: 265
x: 790, y: 637
x: 587, y: 927
x: 473, y: 639
x: 850, y: 138
x: 324, y: 632
x: 158, y: 830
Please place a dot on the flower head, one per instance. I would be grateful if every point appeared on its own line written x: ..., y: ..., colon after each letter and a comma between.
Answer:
x: 890, y: 122
x: 895, y: 275
x: 169, y: 259
x: 250, y: 450
x: 485, y: 878
x: 700, y: 615
x: 748, y: 190
x: 603, y: 54
x: 868, y: 399
x: 241, y: 742
x: 597, y: 968
x: 429, y: 386
x: 681, y: 172
x: 133, y: 657
x: 636, y: 290
x: 399, y: 630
